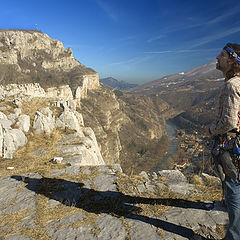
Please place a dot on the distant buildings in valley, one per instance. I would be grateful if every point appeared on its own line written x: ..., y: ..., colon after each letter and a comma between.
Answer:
x: 191, y: 148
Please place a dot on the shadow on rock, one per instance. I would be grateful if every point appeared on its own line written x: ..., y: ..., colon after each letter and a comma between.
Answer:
x: 115, y: 203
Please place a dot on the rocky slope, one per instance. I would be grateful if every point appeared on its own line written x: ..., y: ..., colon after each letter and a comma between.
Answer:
x: 22, y: 120
x: 130, y: 129
x: 104, y: 203
x: 41, y: 86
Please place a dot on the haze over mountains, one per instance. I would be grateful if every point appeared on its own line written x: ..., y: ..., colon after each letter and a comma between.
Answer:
x: 117, y: 84
x: 196, y: 78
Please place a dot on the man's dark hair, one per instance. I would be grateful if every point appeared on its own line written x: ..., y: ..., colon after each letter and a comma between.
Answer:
x: 235, y: 69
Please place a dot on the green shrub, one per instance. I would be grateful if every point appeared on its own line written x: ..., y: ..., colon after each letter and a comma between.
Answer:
x: 118, y: 93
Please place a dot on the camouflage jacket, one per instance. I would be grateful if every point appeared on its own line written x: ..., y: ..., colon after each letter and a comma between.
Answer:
x: 229, y: 108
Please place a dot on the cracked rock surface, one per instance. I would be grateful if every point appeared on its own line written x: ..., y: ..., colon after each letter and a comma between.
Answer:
x: 101, y: 202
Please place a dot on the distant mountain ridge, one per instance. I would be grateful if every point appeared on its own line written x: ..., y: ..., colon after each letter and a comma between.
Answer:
x: 193, y: 93
x: 196, y: 78
x: 117, y: 84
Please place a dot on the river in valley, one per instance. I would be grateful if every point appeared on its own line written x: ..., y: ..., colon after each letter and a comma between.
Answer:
x: 173, y: 147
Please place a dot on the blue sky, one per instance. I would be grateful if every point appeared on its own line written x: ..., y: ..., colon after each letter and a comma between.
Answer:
x: 132, y: 40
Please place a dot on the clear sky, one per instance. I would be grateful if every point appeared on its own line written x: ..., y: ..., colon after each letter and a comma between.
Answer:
x: 132, y: 40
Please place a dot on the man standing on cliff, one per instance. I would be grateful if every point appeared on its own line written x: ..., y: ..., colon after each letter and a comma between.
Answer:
x: 226, y: 132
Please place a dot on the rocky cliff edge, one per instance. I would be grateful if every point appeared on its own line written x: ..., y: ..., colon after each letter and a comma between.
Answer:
x: 34, y: 57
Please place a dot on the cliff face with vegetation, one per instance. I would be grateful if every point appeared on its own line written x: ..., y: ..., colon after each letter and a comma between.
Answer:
x: 129, y: 129
x: 34, y: 57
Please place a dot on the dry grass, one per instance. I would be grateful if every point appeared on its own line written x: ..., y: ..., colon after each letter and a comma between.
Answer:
x: 207, y: 190
x: 10, y: 222
x: 221, y: 230
x: 7, y: 103
x: 31, y: 107
x: 26, y: 160
x: 128, y: 185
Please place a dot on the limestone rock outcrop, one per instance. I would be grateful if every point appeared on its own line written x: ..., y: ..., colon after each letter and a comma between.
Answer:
x: 33, y: 57
x: 25, y: 44
x: 78, y: 145
x: 44, y: 122
x: 81, y: 149
x: 12, y: 140
x: 71, y: 120
x: 24, y: 123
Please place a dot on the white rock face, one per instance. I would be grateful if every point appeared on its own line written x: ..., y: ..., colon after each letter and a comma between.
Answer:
x: 23, y: 123
x: 13, y: 139
x: 31, y: 89
x: 39, y: 51
x: 71, y: 120
x: 44, y: 122
x: 61, y: 92
x: 89, y: 82
x: 23, y: 44
x: 35, y: 90
x: 82, y: 149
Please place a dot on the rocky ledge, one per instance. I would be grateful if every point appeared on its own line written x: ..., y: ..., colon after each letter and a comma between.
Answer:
x: 101, y: 202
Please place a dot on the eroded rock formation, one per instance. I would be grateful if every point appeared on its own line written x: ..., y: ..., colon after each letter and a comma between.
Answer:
x: 34, y: 57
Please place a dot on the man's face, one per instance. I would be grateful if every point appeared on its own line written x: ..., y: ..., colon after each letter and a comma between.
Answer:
x: 223, y: 62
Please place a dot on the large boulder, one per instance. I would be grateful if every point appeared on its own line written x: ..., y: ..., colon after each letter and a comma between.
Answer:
x: 6, y: 124
x: 71, y: 120
x: 12, y: 140
x: 44, y: 122
x: 23, y: 123
x: 3, y: 116
x: 176, y: 181
x: 81, y: 149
